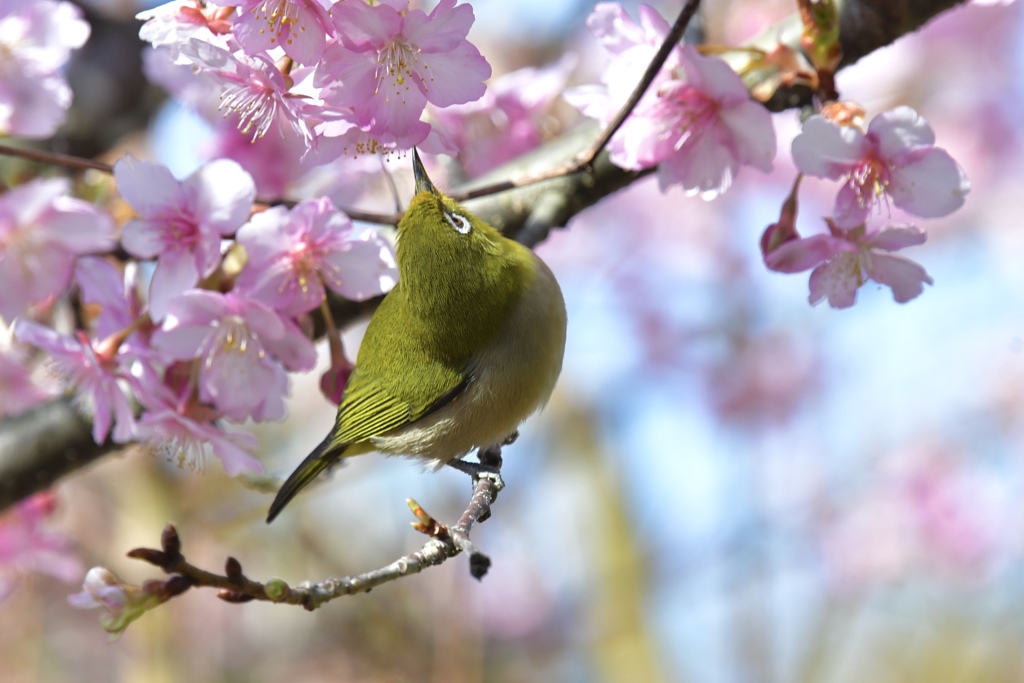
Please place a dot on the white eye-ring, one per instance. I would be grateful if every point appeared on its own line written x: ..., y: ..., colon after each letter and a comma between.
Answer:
x: 460, y: 223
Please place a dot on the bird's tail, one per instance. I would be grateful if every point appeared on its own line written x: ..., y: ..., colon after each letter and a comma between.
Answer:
x: 322, y: 457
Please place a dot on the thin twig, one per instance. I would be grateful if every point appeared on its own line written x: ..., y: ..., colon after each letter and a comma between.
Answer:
x: 55, y: 159
x: 585, y: 160
x: 235, y: 587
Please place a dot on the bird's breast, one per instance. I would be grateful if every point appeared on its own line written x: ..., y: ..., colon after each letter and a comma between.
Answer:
x: 512, y: 377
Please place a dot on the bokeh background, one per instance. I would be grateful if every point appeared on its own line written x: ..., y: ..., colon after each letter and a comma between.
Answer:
x: 728, y: 485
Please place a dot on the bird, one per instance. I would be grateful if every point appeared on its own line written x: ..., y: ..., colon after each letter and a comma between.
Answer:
x: 466, y: 346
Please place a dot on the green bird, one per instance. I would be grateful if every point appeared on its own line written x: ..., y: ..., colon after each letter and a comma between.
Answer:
x: 466, y: 346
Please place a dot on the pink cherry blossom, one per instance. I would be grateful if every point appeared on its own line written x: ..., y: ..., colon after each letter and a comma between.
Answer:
x: 699, y: 131
x: 174, y: 23
x: 115, y: 292
x: 294, y: 253
x: 844, y: 260
x: 181, y: 222
x: 123, y: 603
x: 42, y: 232
x: 299, y: 27
x: 895, y: 160
x: 18, y: 391
x: 27, y: 547
x: 91, y: 371
x: 183, y: 430
x: 696, y: 122
x: 252, y: 87
x: 633, y: 46
x: 508, y: 120
x: 387, y: 65
x: 36, y: 39
x: 242, y: 348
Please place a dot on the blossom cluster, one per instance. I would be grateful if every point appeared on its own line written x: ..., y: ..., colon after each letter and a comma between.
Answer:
x: 696, y: 123
x: 36, y: 39
x: 894, y: 163
x: 203, y: 341
x: 350, y: 79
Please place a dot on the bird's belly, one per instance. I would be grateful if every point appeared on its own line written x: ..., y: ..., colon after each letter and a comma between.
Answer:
x: 514, y: 378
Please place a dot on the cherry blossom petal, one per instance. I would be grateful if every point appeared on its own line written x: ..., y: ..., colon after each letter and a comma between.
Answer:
x: 175, y: 273
x: 897, y: 237
x: 850, y: 209
x: 444, y: 29
x: 702, y: 167
x: 145, y: 185
x: 799, y: 255
x: 899, y: 130
x: 930, y: 185
x: 905, y: 277
x: 750, y: 127
x: 838, y: 280
x: 362, y: 26
x: 142, y: 239
x: 826, y: 150
x: 80, y: 227
x: 442, y: 90
x: 293, y: 348
x: 224, y: 194
x: 366, y: 268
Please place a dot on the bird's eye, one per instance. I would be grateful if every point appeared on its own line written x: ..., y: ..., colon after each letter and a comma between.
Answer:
x: 460, y: 223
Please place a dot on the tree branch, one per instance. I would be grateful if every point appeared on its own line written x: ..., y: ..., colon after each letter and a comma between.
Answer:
x: 235, y: 587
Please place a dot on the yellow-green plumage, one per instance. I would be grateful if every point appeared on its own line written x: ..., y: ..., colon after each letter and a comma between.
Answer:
x: 466, y: 346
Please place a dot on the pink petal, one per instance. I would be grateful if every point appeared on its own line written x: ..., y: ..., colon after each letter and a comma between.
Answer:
x: 182, y: 342
x: 79, y: 226
x: 702, y: 166
x: 616, y: 30
x: 838, y: 280
x: 25, y: 203
x: 455, y: 76
x: 443, y: 30
x: 264, y: 322
x: 366, y: 268
x: 237, y: 382
x: 899, y: 131
x: 198, y: 307
x: 363, y: 27
x: 232, y: 448
x: 897, y: 237
x: 397, y: 119
x: 293, y: 348
x: 849, y: 210
x: 905, y: 277
x: 654, y: 26
x: 33, y: 105
x: 931, y: 185
x: 714, y: 77
x: 141, y: 238
x: 175, y: 272
x: 753, y: 134
x: 146, y: 186
x: 800, y: 254
x: 348, y: 78
x: 826, y: 150
x: 224, y: 194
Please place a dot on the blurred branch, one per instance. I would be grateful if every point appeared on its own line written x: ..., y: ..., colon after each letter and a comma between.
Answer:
x: 42, y: 445
x: 235, y: 587
x: 525, y: 213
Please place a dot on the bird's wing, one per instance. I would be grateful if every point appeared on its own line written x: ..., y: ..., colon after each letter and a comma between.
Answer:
x: 372, y: 407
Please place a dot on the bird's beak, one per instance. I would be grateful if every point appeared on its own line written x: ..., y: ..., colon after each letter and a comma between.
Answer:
x: 423, y: 183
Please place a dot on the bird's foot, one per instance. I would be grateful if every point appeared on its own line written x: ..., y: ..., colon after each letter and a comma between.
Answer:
x: 489, y: 468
